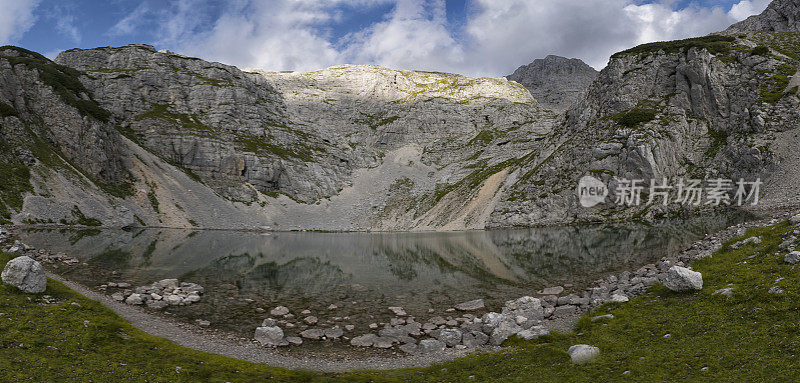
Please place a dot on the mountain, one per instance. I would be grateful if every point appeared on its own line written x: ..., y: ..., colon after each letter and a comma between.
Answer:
x: 131, y: 136
x: 780, y: 16
x: 556, y: 82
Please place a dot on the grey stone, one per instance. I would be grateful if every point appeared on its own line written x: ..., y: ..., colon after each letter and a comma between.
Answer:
x: 473, y: 305
x: 726, y: 292
x: 397, y: 311
x: 428, y: 346
x: 334, y: 332
x: 269, y: 336
x: 366, y: 340
x: 279, y: 311
x: 533, y: 332
x: 25, y: 274
x: 601, y: 317
x: 450, y: 337
x: 134, y: 299
x: 311, y: 320
x: 583, y: 353
x: 792, y: 258
x: 555, y: 290
x: 681, y: 279
x: 474, y: 339
x: 314, y: 334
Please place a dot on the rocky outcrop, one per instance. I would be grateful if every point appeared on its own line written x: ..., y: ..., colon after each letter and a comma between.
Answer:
x: 132, y: 136
x: 780, y: 15
x: 556, y: 82
x: 25, y: 274
x: 708, y: 107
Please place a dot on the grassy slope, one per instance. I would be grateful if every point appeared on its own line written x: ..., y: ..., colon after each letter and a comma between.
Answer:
x: 750, y: 336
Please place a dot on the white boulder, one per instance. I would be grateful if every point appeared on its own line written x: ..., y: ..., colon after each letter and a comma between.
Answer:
x: 25, y: 274
x: 681, y: 279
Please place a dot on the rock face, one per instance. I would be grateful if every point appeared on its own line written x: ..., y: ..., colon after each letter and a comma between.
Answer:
x: 681, y: 279
x: 25, y: 274
x: 780, y: 15
x: 370, y: 148
x: 556, y: 82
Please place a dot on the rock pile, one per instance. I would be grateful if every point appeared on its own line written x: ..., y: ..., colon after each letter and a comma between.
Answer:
x: 527, y: 317
x: 158, y: 295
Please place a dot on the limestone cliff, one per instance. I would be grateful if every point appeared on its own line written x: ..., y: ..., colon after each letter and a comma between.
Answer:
x: 556, y: 82
x: 131, y: 136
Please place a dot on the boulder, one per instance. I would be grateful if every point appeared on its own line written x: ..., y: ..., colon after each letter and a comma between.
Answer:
x: 473, y: 305
x: 583, y: 353
x: 313, y: 334
x: 619, y: 298
x: 134, y: 299
x: 270, y: 336
x: 450, y: 337
x: 25, y: 274
x: 552, y: 290
x: 334, y: 332
x: 533, y: 332
x: 792, y: 258
x: 366, y: 340
x: 474, y: 339
x: 681, y: 279
x: 427, y: 346
x: 505, y: 329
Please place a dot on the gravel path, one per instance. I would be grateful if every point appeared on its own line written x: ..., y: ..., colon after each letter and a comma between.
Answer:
x: 183, y: 335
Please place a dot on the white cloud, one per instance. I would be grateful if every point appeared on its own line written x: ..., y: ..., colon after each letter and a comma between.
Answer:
x: 131, y: 22
x: 498, y: 35
x: 15, y: 19
x: 415, y: 35
x: 746, y: 8
x: 65, y: 23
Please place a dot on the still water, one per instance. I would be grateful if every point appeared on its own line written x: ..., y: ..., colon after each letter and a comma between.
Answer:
x: 364, y: 273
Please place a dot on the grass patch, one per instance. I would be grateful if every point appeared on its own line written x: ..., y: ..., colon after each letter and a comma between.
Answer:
x: 715, y: 44
x: 188, y: 122
x: 759, y: 51
x: 16, y: 181
x: 80, y: 219
x: 7, y: 110
x: 635, y: 117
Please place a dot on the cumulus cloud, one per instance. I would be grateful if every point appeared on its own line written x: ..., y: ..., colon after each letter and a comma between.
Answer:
x: 415, y: 35
x: 746, y: 8
x: 496, y: 37
x: 132, y: 21
x: 15, y: 19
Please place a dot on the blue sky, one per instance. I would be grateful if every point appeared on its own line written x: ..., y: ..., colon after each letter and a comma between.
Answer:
x: 477, y: 37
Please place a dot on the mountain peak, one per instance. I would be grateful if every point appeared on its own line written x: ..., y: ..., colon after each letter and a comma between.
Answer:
x: 555, y: 81
x: 780, y: 16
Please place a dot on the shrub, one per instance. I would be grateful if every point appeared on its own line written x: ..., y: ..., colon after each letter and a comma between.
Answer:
x: 759, y: 51
x: 715, y: 44
x: 635, y: 117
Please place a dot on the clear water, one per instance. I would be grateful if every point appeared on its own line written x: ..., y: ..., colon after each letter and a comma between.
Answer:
x: 364, y: 273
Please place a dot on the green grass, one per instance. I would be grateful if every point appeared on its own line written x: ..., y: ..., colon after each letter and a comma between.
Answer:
x: 715, y: 44
x: 750, y: 336
x: 16, y: 181
x: 7, y: 110
x: 635, y: 117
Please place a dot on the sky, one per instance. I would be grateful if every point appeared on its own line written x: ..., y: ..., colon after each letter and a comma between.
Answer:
x: 473, y: 37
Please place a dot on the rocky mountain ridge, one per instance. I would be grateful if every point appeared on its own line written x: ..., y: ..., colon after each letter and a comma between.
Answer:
x: 132, y: 136
x: 556, y: 82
